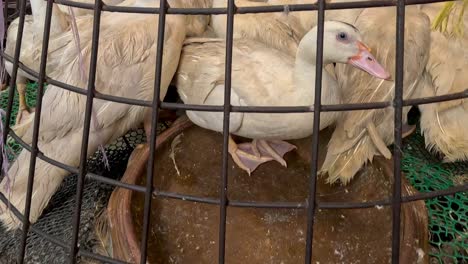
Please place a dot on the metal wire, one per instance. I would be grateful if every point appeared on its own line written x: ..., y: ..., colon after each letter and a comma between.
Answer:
x: 398, y: 115
x: 223, y: 188
x: 246, y: 109
x: 86, y: 129
x: 247, y: 10
x: 154, y: 122
x: 311, y: 205
x: 35, y: 137
x: 311, y: 202
x: 251, y: 204
x: 11, y: 93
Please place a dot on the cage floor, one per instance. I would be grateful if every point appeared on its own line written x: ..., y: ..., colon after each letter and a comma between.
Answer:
x: 448, y: 215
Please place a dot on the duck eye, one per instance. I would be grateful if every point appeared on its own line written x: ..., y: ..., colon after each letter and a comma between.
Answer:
x: 342, y: 36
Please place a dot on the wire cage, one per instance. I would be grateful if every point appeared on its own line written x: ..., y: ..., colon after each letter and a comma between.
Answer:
x: 72, y: 247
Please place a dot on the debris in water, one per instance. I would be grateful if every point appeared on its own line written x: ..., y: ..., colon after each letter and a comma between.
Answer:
x: 174, y: 147
x: 420, y: 252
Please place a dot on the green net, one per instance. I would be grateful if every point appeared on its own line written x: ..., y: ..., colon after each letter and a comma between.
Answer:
x: 447, y: 215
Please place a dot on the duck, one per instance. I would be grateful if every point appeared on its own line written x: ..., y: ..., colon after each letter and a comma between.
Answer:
x: 276, y: 30
x: 62, y: 19
x: 32, y: 37
x: 361, y: 135
x: 279, y: 30
x: 126, y: 67
x: 200, y: 80
x: 441, y: 21
x: 77, y: 12
x: 444, y: 124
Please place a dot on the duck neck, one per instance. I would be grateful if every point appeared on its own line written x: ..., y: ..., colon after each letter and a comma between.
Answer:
x: 38, y: 8
x: 304, y: 73
x: 59, y: 23
x: 305, y: 68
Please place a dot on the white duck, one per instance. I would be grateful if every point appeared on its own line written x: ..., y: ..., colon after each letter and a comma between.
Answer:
x: 445, y: 125
x: 308, y: 19
x: 32, y: 37
x: 61, y: 23
x: 276, y: 30
x: 361, y: 135
x: 126, y: 67
x: 263, y: 76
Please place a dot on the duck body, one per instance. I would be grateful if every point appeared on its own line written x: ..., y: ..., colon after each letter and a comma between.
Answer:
x: 265, y: 76
x: 361, y: 135
x: 27, y: 45
x: 31, y: 45
x: 59, y: 39
x: 126, y: 61
x: 444, y: 124
x: 277, y: 30
x: 251, y: 88
x: 30, y: 53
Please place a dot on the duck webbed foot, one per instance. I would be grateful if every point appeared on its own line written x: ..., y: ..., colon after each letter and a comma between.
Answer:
x: 248, y: 156
x: 275, y: 149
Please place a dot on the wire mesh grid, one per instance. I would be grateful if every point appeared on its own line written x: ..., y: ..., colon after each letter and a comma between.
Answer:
x: 311, y: 205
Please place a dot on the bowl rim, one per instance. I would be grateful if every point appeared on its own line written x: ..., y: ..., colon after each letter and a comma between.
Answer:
x: 126, y: 245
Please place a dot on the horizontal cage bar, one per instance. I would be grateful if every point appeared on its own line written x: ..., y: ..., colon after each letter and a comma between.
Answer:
x: 246, y: 10
x: 249, y: 109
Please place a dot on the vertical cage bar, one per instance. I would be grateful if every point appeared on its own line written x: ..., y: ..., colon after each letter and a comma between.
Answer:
x: 14, y: 73
x: 223, y: 187
x: 86, y: 129
x: 311, y: 202
x: 154, y: 123
x: 398, y: 108
x: 5, y: 23
x: 36, y: 125
x: 5, y: 19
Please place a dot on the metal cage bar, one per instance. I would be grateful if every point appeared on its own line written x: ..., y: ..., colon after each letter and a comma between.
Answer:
x: 86, y: 130
x: 247, y: 10
x: 398, y: 115
x: 310, y: 205
x: 251, y: 204
x: 154, y: 120
x: 223, y: 186
x: 247, y: 109
x: 15, y: 61
x: 311, y: 202
x: 35, y: 137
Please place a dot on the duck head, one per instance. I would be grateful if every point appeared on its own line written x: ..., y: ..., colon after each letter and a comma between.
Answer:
x: 341, y: 44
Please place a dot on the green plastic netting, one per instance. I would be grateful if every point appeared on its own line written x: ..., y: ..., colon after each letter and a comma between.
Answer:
x: 448, y: 215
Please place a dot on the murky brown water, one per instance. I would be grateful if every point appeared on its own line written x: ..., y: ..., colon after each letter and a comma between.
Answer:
x: 187, y: 232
